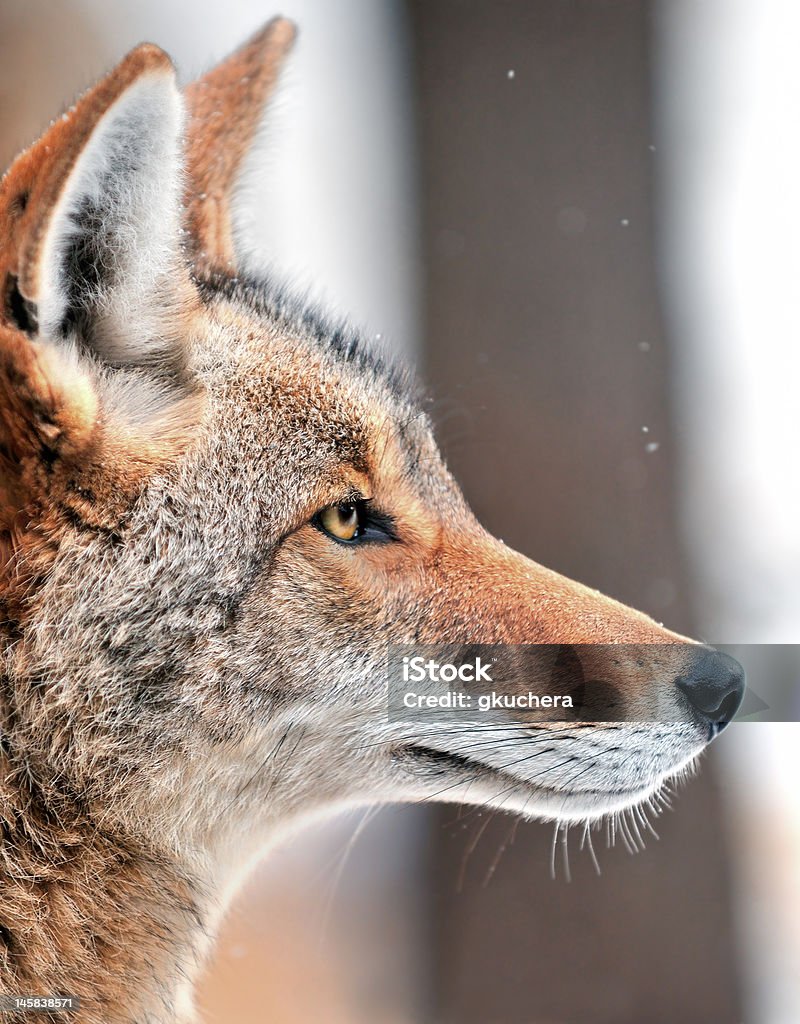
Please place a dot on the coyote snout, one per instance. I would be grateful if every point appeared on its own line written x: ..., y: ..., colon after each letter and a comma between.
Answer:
x: 219, y: 513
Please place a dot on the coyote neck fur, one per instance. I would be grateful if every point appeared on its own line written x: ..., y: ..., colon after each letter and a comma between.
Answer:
x: 87, y: 907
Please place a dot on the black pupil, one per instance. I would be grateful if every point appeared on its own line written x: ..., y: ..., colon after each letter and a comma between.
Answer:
x: 348, y: 514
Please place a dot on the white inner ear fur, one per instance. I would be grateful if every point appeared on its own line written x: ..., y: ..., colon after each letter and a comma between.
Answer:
x: 129, y: 178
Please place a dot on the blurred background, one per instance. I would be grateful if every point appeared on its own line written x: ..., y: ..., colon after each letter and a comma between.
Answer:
x: 579, y: 219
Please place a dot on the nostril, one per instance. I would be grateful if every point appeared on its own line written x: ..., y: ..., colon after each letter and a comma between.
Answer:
x: 714, y: 687
x: 728, y: 708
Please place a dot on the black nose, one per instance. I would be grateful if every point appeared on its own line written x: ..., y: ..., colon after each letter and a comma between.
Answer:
x: 714, y: 686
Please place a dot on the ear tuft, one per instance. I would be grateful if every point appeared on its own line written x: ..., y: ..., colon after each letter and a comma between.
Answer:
x: 225, y: 108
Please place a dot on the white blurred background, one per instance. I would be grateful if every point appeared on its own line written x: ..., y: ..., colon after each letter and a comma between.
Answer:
x: 727, y: 99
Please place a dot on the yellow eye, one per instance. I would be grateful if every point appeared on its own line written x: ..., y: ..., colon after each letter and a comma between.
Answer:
x: 342, y: 522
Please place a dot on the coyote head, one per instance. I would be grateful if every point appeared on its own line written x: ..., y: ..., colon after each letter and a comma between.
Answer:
x: 218, y: 515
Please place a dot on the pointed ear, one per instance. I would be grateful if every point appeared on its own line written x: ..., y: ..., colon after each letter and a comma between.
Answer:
x: 95, y: 391
x: 91, y: 219
x: 225, y: 108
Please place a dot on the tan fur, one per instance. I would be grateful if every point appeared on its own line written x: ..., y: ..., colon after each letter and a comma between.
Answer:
x: 190, y: 665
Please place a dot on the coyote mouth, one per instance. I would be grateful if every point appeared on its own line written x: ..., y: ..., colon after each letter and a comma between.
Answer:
x: 441, y: 761
x: 559, y: 803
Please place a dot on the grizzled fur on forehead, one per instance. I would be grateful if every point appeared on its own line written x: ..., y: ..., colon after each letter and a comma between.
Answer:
x: 308, y: 375
x: 282, y: 308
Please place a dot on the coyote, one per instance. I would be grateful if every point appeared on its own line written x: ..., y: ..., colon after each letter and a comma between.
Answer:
x: 219, y: 513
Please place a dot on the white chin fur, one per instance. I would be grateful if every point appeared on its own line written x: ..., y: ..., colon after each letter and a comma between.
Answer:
x: 516, y: 795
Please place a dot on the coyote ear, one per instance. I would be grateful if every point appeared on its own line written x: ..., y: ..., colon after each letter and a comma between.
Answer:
x: 225, y: 108
x: 94, y: 391
x: 91, y: 218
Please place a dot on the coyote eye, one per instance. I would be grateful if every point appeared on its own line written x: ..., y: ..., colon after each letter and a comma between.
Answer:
x: 352, y: 522
x: 342, y: 522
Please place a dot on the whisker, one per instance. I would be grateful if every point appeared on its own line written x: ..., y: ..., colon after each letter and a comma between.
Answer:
x: 554, y: 842
x: 473, y: 843
x: 586, y: 839
x: 565, y: 850
x: 627, y: 839
x: 368, y: 815
x: 496, y: 860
